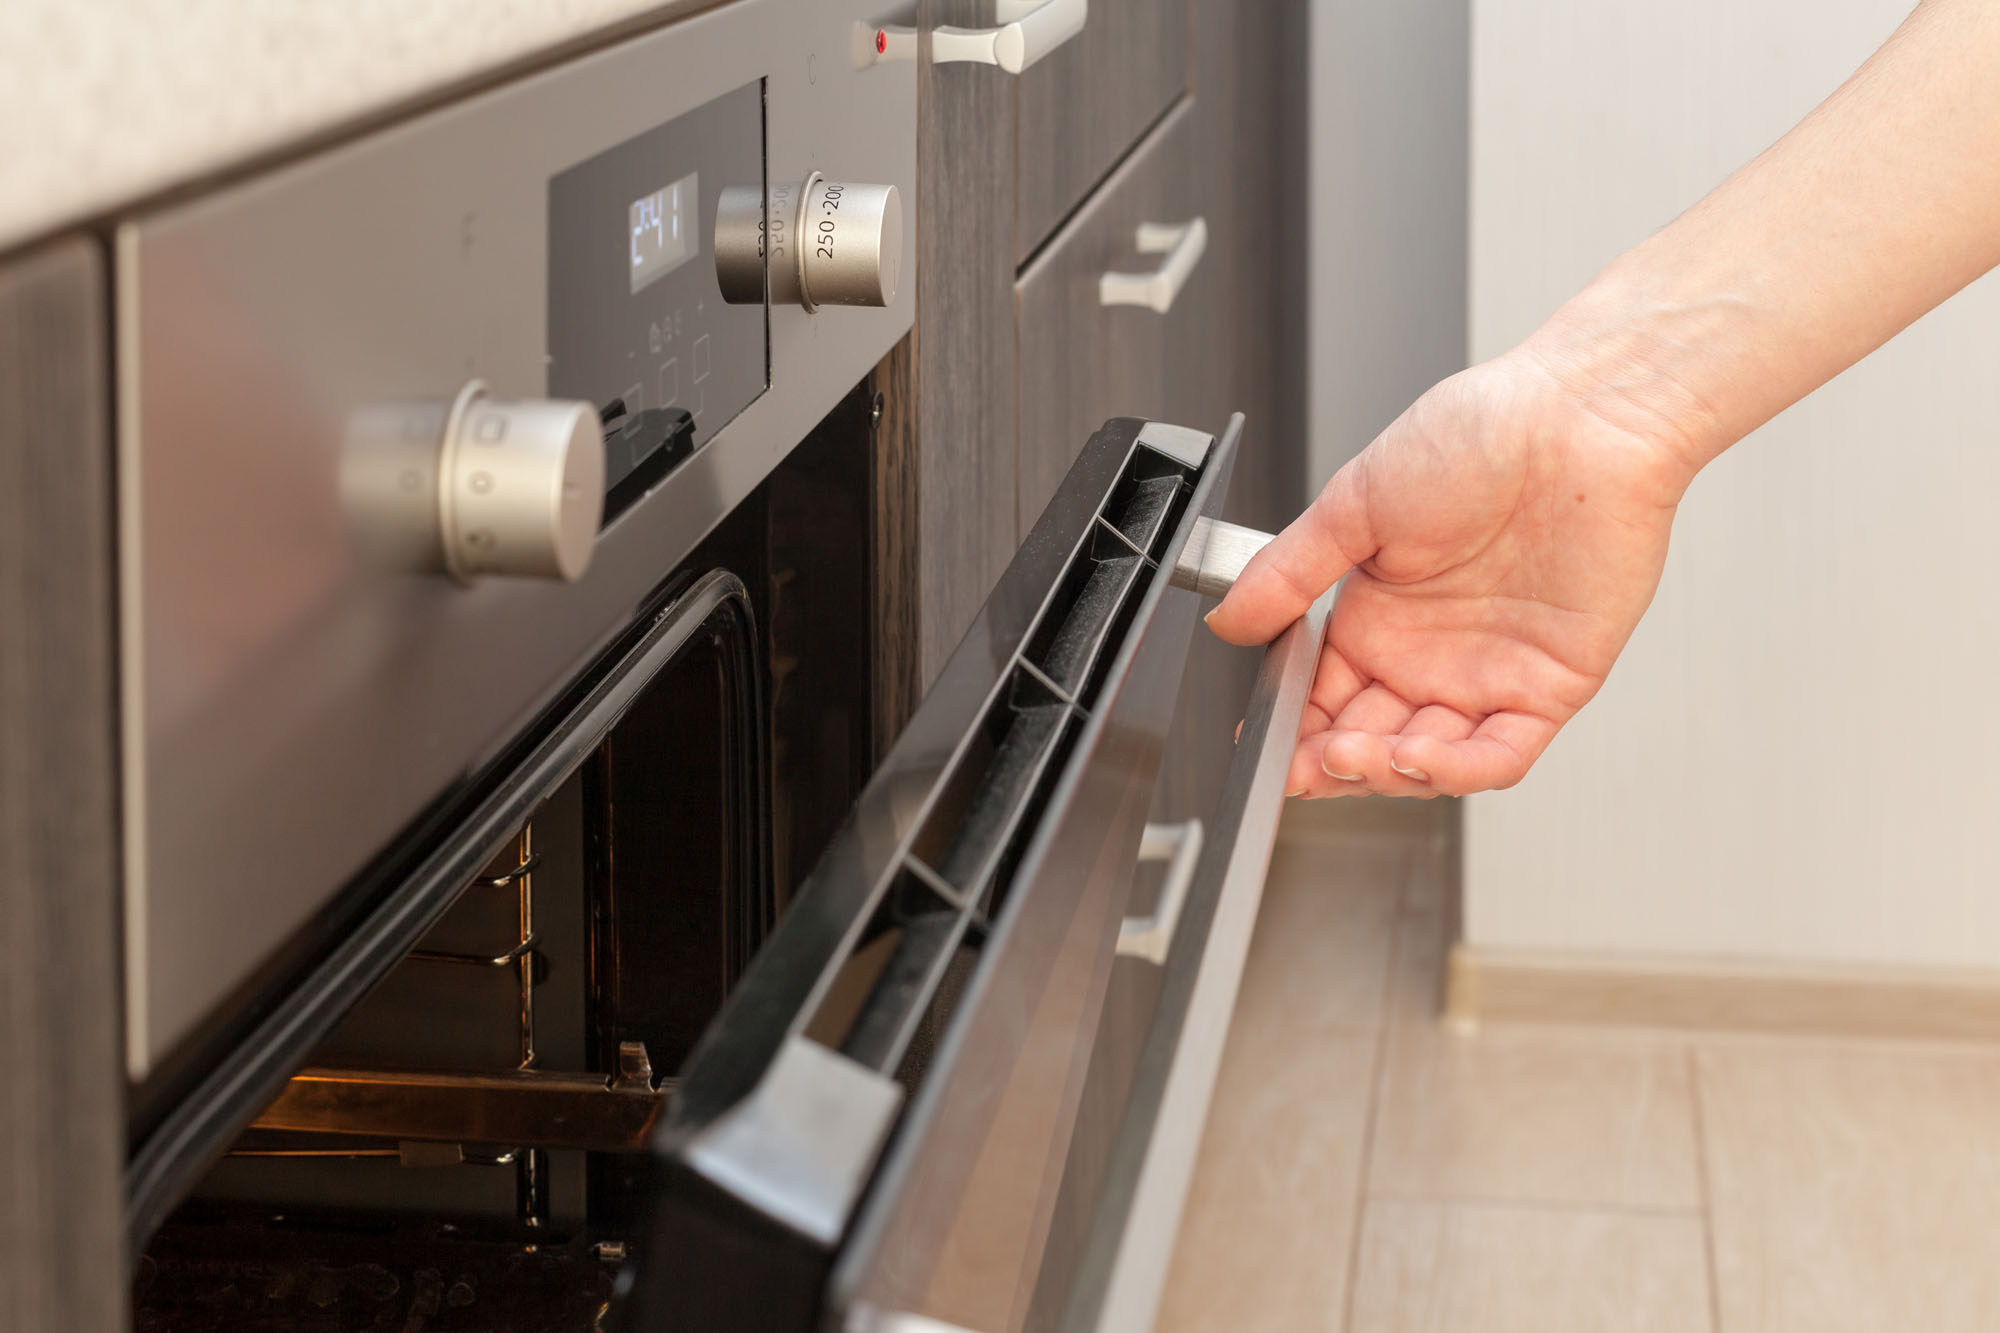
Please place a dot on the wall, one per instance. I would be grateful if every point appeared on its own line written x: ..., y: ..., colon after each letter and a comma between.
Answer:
x: 1386, y: 227
x: 1795, y: 757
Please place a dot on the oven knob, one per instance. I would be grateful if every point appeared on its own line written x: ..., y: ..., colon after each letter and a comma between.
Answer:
x: 831, y: 243
x: 850, y: 244
x: 520, y: 487
x: 740, y: 230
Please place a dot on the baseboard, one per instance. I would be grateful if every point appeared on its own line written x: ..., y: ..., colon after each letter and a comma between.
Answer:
x: 1671, y: 993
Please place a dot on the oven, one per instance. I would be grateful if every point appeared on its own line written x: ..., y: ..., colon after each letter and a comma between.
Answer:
x: 526, y: 924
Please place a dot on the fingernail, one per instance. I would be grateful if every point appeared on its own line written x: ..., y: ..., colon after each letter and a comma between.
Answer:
x: 1416, y: 773
x: 1209, y: 619
x: 1293, y: 795
x: 1344, y: 777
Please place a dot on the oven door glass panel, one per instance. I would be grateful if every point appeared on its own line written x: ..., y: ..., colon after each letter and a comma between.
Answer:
x: 496, y: 1088
x: 519, y: 921
x: 879, y: 1119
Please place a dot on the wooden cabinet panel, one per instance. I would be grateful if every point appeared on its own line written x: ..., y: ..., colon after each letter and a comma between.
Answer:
x: 1081, y: 361
x: 1085, y: 104
x: 1249, y: 76
x: 964, y: 355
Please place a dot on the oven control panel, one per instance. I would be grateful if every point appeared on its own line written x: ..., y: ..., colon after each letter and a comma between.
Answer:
x: 636, y: 315
x: 410, y: 426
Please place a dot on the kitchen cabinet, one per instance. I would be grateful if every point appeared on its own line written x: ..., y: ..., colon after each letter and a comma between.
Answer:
x: 962, y: 387
x: 1202, y: 115
x: 1019, y: 168
x: 1083, y: 361
x: 1248, y: 169
x: 1087, y: 104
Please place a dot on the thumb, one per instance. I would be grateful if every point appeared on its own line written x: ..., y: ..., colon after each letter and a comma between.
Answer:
x: 1300, y: 563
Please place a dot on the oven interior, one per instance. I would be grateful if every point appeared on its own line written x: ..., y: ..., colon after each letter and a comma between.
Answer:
x: 463, y: 1152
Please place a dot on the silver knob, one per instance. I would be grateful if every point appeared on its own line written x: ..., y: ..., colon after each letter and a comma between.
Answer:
x: 520, y: 487
x: 741, y: 230
x: 830, y: 243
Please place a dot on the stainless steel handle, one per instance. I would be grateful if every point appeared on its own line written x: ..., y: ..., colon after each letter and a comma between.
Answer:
x: 1029, y: 30
x: 1215, y: 555
x: 1149, y: 937
x: 1182, y: 244
x: 1132, y: 1239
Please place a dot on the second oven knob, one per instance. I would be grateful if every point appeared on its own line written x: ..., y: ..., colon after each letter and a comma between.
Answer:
x: 520, y: 486
x: 830, y: 243
x: 850, y: 244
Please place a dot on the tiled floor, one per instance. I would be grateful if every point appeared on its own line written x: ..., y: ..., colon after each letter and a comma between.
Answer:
x: 1367, y: 1169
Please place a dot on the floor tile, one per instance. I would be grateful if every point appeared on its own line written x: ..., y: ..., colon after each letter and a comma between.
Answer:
x: 1524, y: 1114
x: 1266, y: 1235
x: 1457, y: 1268
x: 1265, y: 1239
x: 1321, y: 953
x: 1853, y: 1187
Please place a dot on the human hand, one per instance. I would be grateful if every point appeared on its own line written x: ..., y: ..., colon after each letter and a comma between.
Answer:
x: 1500, y: 540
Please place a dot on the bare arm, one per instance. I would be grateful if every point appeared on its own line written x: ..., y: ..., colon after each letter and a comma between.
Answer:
x: 1879, y: 205
x: 1507, y: 532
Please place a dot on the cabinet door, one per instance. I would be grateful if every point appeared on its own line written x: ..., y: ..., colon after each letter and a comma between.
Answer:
x: 1248, y: 72
x: 1087, y: 102
x: 1081, y: 360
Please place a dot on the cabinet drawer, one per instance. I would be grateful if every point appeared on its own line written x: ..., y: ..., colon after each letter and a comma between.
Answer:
x: 1084, y: 105
x: 1082, y: 361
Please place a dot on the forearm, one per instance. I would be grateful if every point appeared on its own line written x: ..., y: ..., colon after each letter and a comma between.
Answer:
x: 1879, y: 205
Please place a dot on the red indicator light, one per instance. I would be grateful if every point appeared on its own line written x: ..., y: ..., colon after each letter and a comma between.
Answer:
x: 881, y: 41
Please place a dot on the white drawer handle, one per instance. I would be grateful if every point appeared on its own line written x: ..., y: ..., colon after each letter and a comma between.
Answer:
x: 1182, y: 246
x: 1029, y: 30
x: 1149, y: 937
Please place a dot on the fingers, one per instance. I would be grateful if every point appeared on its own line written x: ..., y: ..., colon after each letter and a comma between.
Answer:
x: 1496, y: 755
x: 1436, y: 751
x: 1300, y: 563
x: 1350, y: 751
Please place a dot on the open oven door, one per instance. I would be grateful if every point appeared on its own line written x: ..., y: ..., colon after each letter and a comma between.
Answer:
x: 873, y: 1132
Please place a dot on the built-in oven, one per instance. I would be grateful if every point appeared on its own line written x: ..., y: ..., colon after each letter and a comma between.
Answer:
x: 526, y: 925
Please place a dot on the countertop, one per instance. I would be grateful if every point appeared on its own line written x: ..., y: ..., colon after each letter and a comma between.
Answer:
x: 103, y: 102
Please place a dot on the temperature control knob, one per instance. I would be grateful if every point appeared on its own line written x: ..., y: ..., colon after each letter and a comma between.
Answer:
x: 520, y: 487
x: 830, y: 243
x: 476, y: 487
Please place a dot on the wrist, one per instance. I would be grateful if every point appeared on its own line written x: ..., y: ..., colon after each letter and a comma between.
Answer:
x: 1650, y: 363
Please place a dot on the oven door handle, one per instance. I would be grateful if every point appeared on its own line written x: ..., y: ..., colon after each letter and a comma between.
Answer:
x: 1179, y: 845
x: 1138, y: 1215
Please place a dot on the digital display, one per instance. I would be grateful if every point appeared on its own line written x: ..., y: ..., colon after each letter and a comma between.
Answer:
x: 662, y: 230
x: 641, y: 318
